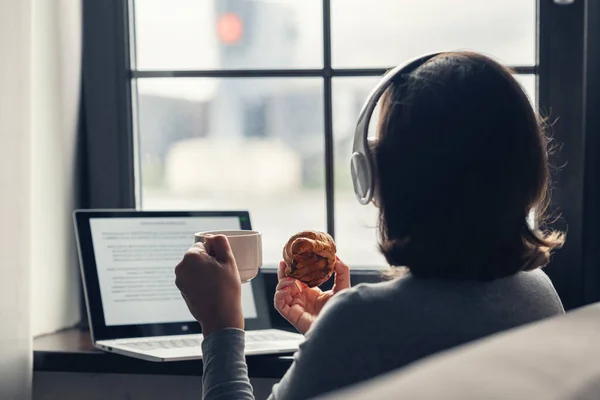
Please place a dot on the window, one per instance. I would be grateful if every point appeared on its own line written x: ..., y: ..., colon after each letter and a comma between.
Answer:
x: 149, y: 67
x: 251, y: 104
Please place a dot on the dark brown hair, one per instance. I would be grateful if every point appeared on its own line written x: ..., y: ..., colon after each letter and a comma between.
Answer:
x: 462, y: 160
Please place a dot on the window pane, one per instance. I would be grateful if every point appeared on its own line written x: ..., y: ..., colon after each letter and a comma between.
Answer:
x: 528, y: 82
x: 356, y: 234
x: 388, y: 32
x: 355, y: 229
x: 251, y: 144
x: 234, y: 34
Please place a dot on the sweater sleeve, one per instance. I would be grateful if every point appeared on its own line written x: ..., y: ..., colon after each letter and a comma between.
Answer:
x: 225, y: 373
x: 317, y: 366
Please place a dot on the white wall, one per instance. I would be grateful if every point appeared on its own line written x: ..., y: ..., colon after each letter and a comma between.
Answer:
x: 56, y: 80
x: 15, y: 198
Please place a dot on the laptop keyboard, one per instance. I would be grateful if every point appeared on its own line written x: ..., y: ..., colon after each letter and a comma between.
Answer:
x: 164, y: 344
x: 251, y: 339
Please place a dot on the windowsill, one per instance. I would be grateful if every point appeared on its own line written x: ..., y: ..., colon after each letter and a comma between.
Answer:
x: 72, y: 351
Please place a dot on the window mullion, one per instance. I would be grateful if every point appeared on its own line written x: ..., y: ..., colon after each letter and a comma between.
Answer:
x: 328, y: 118
x: 560, y: 87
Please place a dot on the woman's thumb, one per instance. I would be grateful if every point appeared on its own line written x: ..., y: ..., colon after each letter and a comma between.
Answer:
x: 218, y: 247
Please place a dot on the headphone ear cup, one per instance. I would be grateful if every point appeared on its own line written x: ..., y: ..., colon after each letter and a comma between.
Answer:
x: 361, y: 177
x: 362, y: 166
x: 373, y: 168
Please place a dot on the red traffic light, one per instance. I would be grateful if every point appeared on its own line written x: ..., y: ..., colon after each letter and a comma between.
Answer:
x: 229, y: 28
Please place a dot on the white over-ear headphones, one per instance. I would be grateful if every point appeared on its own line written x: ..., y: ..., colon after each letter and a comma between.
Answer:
x: 362, y: 163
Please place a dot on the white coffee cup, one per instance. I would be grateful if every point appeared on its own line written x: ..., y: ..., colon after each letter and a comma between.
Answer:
x: 246, y: 247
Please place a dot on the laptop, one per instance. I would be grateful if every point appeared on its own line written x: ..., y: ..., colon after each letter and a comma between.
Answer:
x: 127, y: 261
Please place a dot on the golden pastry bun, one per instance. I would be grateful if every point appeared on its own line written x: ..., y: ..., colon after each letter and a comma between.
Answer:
x: 310, y: 257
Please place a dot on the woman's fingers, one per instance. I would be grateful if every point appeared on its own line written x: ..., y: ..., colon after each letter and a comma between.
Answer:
x: 342, y: 276
x: 286, y: 282
x: 282, y: 299
x: 281, y: 270
x: 285, y: 292
x: 297, y: 316
x: 300, y: 318
x: 288, y: 308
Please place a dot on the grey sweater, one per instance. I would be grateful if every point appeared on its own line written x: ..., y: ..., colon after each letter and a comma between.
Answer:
x: 371, y: 329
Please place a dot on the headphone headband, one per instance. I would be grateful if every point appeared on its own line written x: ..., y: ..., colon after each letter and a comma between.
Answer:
x: 362, y: 163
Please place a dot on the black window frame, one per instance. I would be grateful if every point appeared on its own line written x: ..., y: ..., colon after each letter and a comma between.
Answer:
x: 567, y: 80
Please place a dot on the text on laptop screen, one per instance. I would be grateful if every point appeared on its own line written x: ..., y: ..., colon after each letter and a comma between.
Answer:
x: 136, y: 258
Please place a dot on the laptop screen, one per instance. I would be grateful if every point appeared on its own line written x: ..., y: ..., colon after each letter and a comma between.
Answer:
x: 135, y: 259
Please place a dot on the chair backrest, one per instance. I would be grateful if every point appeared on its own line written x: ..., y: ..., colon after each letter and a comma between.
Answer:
x: 558, y: 358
